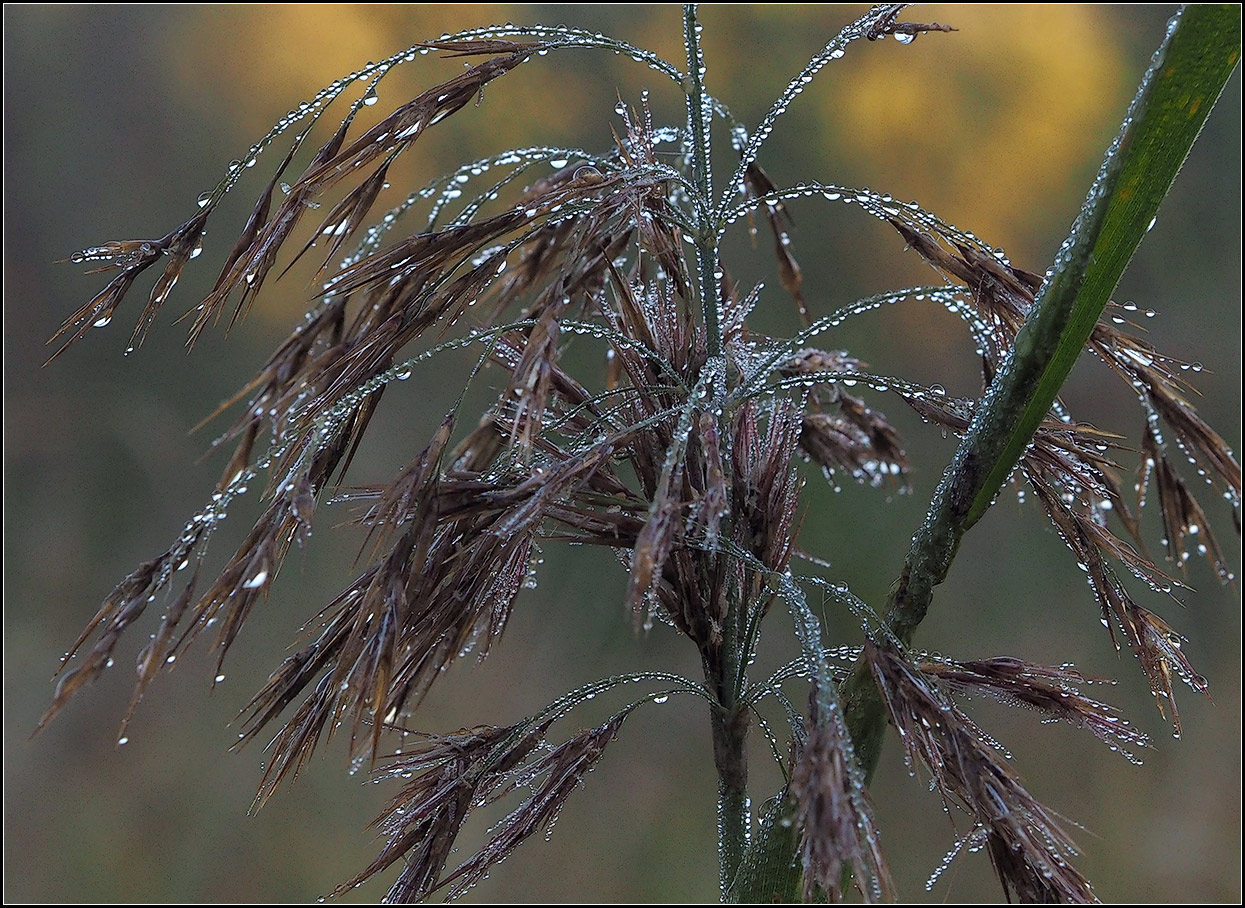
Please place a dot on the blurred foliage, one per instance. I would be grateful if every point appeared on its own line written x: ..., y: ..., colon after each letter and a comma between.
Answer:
x: 116, y: 118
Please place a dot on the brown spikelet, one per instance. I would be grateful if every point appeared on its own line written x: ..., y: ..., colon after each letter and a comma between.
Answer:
x: 454, y: 774
x: 780, y: 224
x: 407, y: 123
x: 1162, y: 380
x: 238, y: 272
x: 970, y: 773
x: 887, y: 24
x: 123, y: 607
x: 1158, y: 648
x: 856, y: 438
x: 410, y: 497
x: 1183, y: 517
x: 156, y: 654
x: 180, y: 246
x: 133, y: 257
x: 835, y: 817
x: 1053, y: 691
x: 1001, y: 293
x: 563, y: 769
x: 347, y: 216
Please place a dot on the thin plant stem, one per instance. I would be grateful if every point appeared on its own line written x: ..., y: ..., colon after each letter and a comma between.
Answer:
x: 728, y: 720
x: 699, y: 116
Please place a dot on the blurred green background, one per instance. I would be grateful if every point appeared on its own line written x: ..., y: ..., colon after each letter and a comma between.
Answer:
x: 117, y: 117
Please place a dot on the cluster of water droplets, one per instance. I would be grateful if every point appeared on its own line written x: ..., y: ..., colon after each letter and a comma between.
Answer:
x: 373, y: 72
x: 563, y: 36
x: 817, y: 657
x: 1154, y: 429
x: 699, y: 105
x: 975, y: 840
x: 1130, y: 306
x: 116, y: 255
x: 870, y: 622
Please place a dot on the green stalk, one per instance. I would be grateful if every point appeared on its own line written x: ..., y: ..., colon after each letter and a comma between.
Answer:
x: 728, y: 721
x: 699, y: 116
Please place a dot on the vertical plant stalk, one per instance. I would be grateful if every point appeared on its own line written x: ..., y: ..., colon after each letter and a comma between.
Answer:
x: 727, y: 719
x: 1186, y: 75
x: 729, y: 722
x: 699, y: 118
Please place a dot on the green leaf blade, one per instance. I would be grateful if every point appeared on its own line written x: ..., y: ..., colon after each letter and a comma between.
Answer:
x: 1185, y: 79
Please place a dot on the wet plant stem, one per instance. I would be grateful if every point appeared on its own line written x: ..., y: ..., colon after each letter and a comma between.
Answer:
x: 724, y: 671
x: 699, y: 115
x: 729, y: 722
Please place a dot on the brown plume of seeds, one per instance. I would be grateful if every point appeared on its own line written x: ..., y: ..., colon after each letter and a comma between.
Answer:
x: 1073, y: 480
x: 1031, y: 853
x: 680, y: 458
x: 1053, y: 691
x: 835, y: 817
